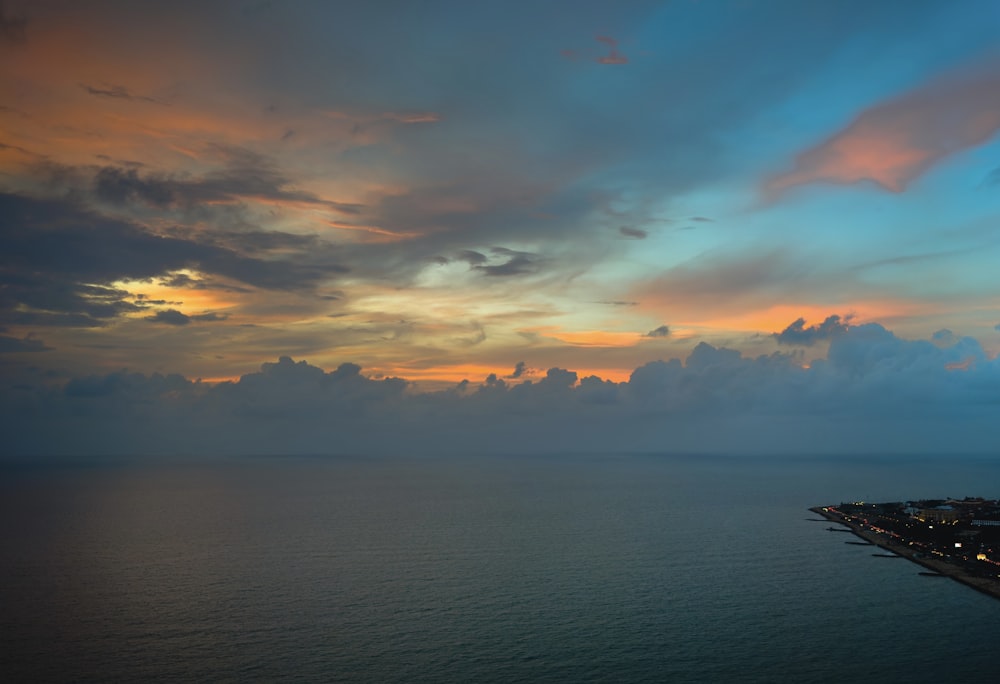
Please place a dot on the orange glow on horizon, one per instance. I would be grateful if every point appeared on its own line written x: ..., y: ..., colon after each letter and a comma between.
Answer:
x: 775, y: 318
x: 183, y: 299
x: 453, y: 374
x: 589, y: 338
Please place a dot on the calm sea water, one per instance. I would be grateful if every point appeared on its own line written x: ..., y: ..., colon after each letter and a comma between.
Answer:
x: 576, y: 569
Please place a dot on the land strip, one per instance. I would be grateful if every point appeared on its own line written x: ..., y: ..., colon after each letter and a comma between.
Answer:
x: 939, y: 565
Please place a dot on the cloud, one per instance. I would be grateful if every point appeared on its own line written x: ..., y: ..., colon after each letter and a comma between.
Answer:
x: 246, y: 175
x: 28, y: 343
x: 797, y: 334
x: 873, y: 392
x: 175, y: 317
x: 170, y: 317
x: 413, y: 117
x: 519, y: 370
x: 517, y: 263
x: 729, y: 282
x: 472, y: 257
x: 613, y: 56
x: 943, y: 336
x: 894, y: 142
x: 633, y: 233
x: 58, y: 262
x: 662, y: 331
x: 119, y: 92
x: 12, y: 29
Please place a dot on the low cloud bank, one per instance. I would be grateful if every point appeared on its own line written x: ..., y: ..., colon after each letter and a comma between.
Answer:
x: 874, y: 392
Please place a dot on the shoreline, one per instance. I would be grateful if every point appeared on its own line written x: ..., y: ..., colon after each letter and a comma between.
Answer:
x: 942, y: 567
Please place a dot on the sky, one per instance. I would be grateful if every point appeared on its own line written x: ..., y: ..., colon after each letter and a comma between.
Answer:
x: 326, y: 226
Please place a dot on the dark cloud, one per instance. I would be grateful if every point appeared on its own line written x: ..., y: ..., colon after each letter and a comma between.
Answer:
x: 12, y: 29
x: 118, y: 186
x: 798, y: 334
x: 517, y: 263
x: 170, y: 317
x: 874, y: 392
x: 472, y: 257
x: 175, y: 317
x: 27, y: 343
x: 58, y: 260
x: 183, y: 280
x: 633, y: 233
x: 519, y: 368
x: 119, y: 92
x: 246, y: 175
x: 662, y: 331
x: 16, y: 148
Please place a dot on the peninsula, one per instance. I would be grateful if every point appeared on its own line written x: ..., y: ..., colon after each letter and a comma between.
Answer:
x: 952, y: 538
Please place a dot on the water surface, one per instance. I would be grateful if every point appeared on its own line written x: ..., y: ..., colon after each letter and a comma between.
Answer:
x: 616, y: 568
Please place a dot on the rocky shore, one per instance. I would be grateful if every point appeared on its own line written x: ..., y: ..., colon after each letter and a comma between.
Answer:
x: 939, y: 565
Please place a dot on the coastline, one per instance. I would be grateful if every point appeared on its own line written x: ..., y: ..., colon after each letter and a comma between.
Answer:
x: 942, y: 567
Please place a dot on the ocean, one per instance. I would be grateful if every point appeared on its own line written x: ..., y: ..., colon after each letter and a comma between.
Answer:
x: 617, y: 568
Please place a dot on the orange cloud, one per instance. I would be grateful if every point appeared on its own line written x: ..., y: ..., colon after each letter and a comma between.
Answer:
x: 374, y: 233
x: 589, y: 338
x: 894, y: 142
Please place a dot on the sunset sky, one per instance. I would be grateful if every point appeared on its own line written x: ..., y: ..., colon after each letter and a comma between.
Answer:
x: 440, y: 191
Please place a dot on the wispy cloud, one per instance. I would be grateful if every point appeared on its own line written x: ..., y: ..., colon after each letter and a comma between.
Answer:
x: 246, y: 175
x: 633, y: 233
x: 120, y: 92
x: 894, y: 142
x: 613, y: 56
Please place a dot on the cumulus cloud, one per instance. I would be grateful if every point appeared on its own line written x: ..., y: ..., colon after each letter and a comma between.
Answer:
x: 798, y: 334
x: 896, y: 141
x: 943, y: 336
x: 662, y: 331
x: 873, y: 392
